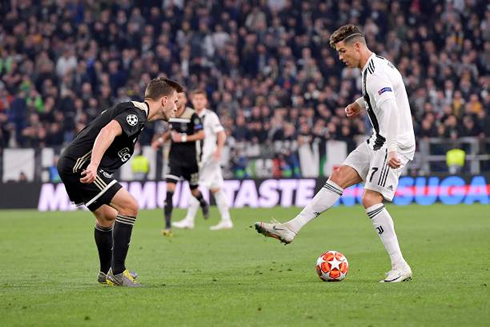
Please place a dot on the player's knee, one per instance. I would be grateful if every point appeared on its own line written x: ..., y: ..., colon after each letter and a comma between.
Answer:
x: 130, y: 209
x: 370, y: 198
x: 337, y: 176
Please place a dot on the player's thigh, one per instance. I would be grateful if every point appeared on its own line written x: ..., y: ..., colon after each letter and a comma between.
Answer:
x: 125, y: 203
x: 355, y: 167
x: 191, y: 174
x: 381, y: 178
x: 210, y: 176
x: 174, y: 173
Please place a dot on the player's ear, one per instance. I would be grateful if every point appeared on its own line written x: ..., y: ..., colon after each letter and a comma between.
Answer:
x: 164, y: 100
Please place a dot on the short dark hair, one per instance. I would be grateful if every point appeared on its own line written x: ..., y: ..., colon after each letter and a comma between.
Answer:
x: 162, y: 86
x: 347, y: 32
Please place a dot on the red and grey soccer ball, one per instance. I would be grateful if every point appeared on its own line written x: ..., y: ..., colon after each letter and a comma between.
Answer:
x: 332, y: 266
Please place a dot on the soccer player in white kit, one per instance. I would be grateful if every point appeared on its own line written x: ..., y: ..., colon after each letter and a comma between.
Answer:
x: 210, y: 175
x: 377, y: 162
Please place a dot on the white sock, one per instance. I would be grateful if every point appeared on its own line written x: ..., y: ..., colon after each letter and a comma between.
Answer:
x: 222, y: 205
x: 383, y: 224
x: 323, y: 200
x: 192, y: 210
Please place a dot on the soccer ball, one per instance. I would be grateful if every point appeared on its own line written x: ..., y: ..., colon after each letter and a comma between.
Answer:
x: 332, y: 266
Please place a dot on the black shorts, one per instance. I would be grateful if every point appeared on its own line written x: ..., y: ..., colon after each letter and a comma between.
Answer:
x: 93, y: 195
x: 190, y: 172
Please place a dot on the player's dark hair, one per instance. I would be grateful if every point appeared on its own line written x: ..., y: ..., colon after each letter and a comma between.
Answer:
x: 161, y: 86
x: 199, y: 91
x: 348, y: 33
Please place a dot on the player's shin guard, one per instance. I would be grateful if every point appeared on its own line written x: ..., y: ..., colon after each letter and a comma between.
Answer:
x: 167, y: 210
x: 383, y: 224
x: 222, y: 205
x: 103, y: 240
x: 323, y: 200
x: 121, y: 236
x: 193, y: 207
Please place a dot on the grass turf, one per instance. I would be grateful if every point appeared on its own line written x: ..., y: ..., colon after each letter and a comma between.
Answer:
x: 239, y: 278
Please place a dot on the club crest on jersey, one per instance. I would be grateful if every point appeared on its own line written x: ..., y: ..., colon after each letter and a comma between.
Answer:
x: 385, y: 89
x: 132, y: 119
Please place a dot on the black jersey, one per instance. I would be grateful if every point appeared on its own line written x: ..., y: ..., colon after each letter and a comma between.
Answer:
x: 132, y: 116
x: 189, y: 123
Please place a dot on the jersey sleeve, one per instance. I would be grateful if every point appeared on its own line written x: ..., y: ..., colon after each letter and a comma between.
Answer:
x: 131, y: 121
x: 380, y: 88
x: 197, y: 123
x: 216, y: 124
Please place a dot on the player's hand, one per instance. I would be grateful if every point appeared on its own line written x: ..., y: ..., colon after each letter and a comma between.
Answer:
x: 393, y: 161
x: 156, y: 144
x: 176, y: 137
x: 217, y: 155
x: 89, y: 174
x: 353, y: 110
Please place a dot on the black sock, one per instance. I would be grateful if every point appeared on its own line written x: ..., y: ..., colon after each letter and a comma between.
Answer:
x: 168, y: 207
x: 201, y: 200
x: 103, y: 239
x: 121, y: 236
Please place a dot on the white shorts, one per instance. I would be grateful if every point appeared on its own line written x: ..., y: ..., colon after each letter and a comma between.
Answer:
x: 373, y: 168
x: 210, y: 175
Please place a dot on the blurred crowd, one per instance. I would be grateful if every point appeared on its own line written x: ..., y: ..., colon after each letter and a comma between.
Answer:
x: 266, y: 65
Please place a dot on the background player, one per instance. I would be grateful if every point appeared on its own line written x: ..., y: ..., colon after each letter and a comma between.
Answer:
x: 184, y: 130
x: 210, y: 175
x: 378, y: 161
x: 87, y: 165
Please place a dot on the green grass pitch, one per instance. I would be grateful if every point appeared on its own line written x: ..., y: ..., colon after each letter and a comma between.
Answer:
x: 239, y: 278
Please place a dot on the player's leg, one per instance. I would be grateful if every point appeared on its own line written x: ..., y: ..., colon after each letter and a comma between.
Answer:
x: 212, y: 177
x: 381, y: 185
x: 105, y: 217
x: 222, y: 205
x: 353, y: 171
x: 168, y: 206
x: 333, y: 189
x: 191, y: 174
x: 127, y: 211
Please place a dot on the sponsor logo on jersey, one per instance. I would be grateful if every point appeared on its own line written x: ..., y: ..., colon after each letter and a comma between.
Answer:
x: 132, y: 119
x: 385, y: 89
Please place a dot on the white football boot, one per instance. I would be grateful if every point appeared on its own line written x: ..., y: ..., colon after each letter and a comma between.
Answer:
x: 224, y: 224
x: 399, y: 274
x: 275, y: 230
x: 184, y: 224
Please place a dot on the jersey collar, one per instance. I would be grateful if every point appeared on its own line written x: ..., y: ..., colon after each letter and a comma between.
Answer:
x: 371, y: 57
x: 147, y: 111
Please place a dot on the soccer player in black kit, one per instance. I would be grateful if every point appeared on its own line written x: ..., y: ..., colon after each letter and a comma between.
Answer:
x: 185, y: 129
x: 87, y: 165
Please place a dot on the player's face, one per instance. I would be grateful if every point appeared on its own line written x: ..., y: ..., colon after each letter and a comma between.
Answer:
x: 348, y: 53
x: 182, y: 101
x: 199, y: 101
x: 169, y: 104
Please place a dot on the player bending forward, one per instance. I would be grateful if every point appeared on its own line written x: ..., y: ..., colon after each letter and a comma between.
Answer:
x: 87, y: 165
x: 210, y: 170
x: 378, y: 161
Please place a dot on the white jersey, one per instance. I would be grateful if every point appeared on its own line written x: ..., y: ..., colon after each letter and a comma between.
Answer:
x: 381, y: 82
x: 212, y: 126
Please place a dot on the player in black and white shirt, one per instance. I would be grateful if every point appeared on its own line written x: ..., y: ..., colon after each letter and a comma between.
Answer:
x: 87, y: 165
x: 378, y: 161
x: 185, y: 129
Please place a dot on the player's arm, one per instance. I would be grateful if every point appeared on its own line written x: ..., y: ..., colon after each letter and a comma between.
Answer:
x: 158, y: 142
x: 389, y: 106
x: 381, y: 91
x: 181, y: 137
x: 103, y: 141
x: 221, y: 139
x: 354, y: 109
